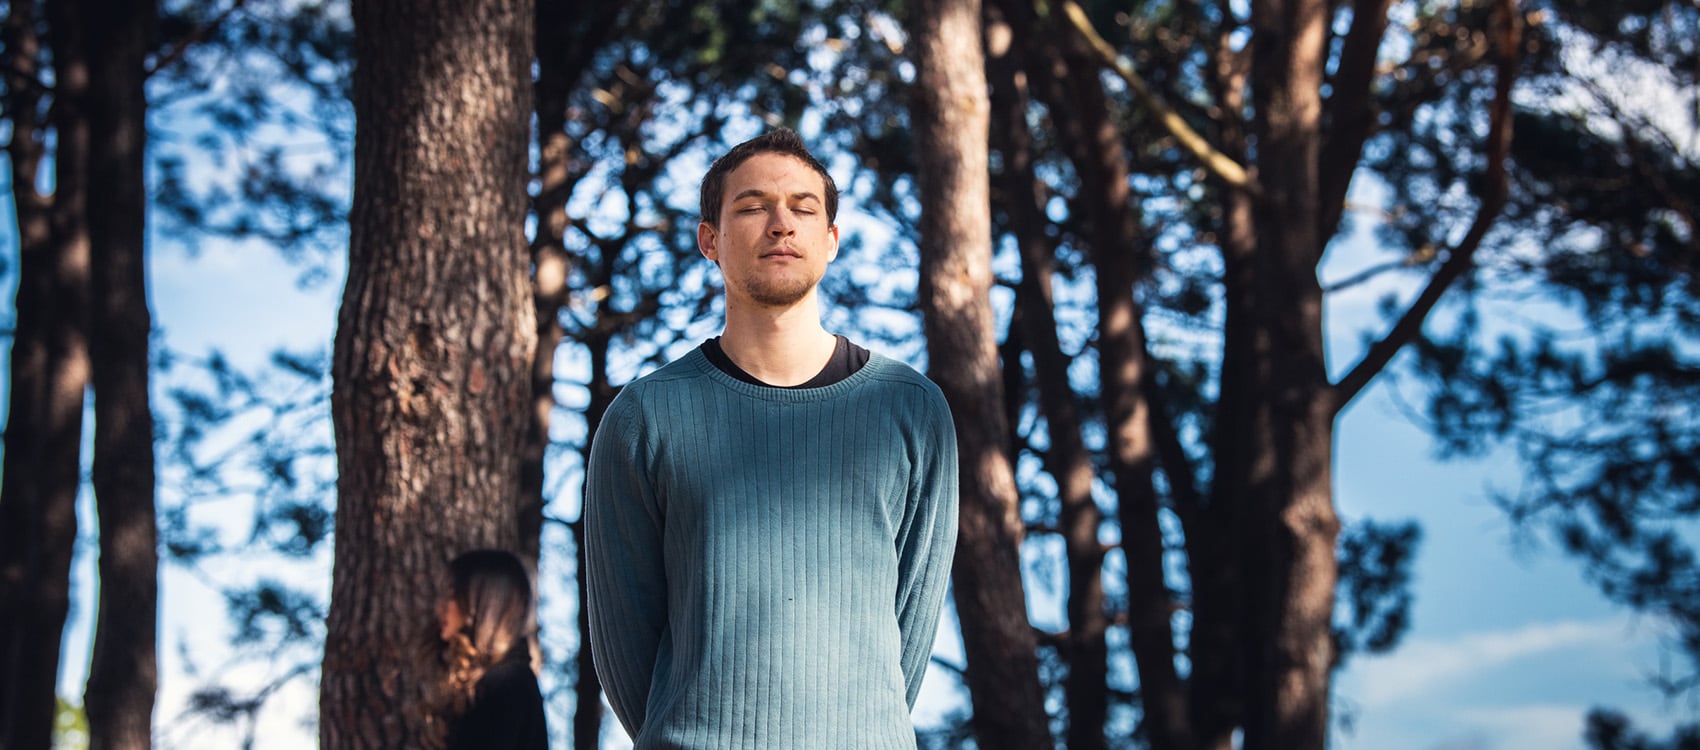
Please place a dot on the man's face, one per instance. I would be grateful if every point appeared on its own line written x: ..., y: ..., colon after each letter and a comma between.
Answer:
x: 774, y: 239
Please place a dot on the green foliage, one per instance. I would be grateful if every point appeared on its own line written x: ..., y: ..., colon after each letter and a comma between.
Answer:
x: 260, y: 143
x: 1374, y: 590
x: 1597, y: 395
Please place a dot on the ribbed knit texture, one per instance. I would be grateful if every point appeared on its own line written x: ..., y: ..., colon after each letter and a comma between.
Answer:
x: 766, y: 566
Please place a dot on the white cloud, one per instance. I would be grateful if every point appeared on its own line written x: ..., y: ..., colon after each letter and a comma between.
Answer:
x: 1528, y: 726
x: 1430, y: 664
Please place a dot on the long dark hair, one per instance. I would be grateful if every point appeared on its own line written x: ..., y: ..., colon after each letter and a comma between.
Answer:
x: 493, y: 591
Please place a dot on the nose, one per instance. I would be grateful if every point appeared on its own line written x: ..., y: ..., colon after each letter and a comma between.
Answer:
x: 781, y: 223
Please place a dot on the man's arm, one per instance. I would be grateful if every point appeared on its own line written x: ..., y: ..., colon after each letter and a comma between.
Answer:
x: 624, y: 571
x: 926, y: 542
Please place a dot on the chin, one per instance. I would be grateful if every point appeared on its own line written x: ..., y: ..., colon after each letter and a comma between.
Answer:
x: 778, y: 295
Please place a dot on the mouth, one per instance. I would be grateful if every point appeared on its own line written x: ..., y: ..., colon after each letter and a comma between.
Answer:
x: 782, y: 252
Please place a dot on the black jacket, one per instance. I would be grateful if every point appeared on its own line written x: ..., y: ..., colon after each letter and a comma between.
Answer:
x: 506, y: 711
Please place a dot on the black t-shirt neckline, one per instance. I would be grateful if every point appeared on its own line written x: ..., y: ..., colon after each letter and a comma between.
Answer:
x: 846, y: 359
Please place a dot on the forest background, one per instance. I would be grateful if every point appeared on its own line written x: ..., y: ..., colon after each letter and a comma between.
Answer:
x: 1225, y: 296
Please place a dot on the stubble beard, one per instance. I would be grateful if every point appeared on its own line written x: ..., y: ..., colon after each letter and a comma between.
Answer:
x: 781, y: 291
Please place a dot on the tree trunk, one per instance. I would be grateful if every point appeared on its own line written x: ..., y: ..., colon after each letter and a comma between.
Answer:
x: 1295, y: 522
x: 434, y: 345
x: 49, y: 375
x: 548, y: 256
x: 567, y: 36
x: 1118, y: 251
x: 1085, y: 650
x: 950, y: 122
x: 587, y: 713
x: 1218, y: 644
x: 123, y: 674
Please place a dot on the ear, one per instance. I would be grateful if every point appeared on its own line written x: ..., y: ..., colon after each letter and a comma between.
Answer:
x: 832, y: 256
x: 708, y: 241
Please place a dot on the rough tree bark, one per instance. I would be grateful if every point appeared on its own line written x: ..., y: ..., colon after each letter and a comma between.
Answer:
x: 49, y: 372
x: 950, y: 123
x: 1293, y: 523
x: 434, y: 345
x: 123, y: 672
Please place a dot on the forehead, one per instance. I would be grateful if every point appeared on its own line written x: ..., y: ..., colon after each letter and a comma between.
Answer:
x: 770, y: 172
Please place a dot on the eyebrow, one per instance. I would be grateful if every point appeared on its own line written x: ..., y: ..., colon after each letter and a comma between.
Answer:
x: 759, y: 193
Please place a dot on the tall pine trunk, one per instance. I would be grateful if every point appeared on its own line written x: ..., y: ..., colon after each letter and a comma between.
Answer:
x: 49, y: 372
x: 434, y: 344
x: 1293, y: 524
x: 123, y: 672
x: 1218, y: 638
x: 950, y: 123
x: 1119, y: 251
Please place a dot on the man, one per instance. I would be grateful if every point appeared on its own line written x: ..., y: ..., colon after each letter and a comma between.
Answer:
x: 769, y: 519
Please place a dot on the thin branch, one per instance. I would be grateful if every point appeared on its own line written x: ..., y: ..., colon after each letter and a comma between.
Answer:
x: 1365, y: 275
x: 1220, y: 164
x: 1459, y: 259
x: 1184, y: 492
x: 196, y: 35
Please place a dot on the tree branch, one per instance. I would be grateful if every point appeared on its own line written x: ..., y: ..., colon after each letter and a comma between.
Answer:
x: 1218, y: 163
x: 198, y: 34
x: 1508, y: 25
x: 1184, y: 493
x: 1350, y: 109
x: 1366, y: 275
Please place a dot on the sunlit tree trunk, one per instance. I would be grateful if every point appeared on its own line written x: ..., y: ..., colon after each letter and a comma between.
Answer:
x: 123, y: 672
x: 49, y: 371
x: 950, y: 123
x: 1288, y: 470
x: 434, y: 346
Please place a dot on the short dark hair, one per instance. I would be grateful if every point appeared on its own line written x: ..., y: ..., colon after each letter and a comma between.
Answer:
x: 777, y: 141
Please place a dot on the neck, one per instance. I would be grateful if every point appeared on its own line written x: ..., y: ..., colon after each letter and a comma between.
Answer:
x: 782, y: 347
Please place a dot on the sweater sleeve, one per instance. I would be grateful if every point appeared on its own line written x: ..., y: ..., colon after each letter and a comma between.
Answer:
x: 624, y: 570
x: 926, y: 542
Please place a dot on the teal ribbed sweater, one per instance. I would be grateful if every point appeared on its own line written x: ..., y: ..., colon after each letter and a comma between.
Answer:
x: 765, y: 565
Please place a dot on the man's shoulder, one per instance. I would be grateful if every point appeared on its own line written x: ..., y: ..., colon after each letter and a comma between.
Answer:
x: 897, y: 372
x: 906, y: 389
x: 683, y: 370
x: 642, y: 393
